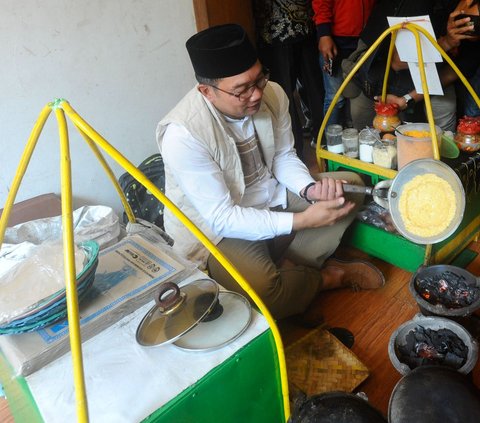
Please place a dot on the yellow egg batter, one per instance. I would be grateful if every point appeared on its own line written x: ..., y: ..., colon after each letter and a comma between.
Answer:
x: 417, y: 134
x: 427, y: 205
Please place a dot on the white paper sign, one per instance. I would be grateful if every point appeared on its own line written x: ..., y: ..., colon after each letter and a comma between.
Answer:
x: 433, y: 80
x: 406, y: 46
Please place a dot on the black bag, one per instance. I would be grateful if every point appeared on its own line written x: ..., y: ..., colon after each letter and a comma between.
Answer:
x: 143, y: 203
x: 369, y: 77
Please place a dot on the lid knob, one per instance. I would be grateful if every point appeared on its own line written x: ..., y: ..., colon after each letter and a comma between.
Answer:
x: 169, y: 297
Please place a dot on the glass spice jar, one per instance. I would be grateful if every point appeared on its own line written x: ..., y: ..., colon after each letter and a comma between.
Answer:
x: 350, y: 142
x: 467, y: 137
x: 366, y: 140
x: 385, y: 154
x: 386, y: 117
x: 334, y: 138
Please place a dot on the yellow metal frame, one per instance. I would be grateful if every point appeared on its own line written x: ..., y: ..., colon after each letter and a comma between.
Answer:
x: 415, y: 29
x: 95, y: 140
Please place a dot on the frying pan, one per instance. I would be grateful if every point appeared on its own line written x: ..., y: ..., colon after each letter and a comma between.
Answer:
x: 387, y: 194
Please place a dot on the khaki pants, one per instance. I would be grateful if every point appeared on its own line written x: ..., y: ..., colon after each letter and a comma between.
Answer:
x: 289, y: 290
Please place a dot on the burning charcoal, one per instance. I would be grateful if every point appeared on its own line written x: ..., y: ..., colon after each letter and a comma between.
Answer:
x: 442, y: 285
x: 427, y: 351
x: 427, y: 346
x: 448, y: 289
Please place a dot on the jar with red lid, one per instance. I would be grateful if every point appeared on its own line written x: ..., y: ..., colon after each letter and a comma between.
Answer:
x: 467, y: 137
x: 386, y: 118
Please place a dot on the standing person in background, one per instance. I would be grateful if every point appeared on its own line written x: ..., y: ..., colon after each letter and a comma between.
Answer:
x: 467, y: 57
x: 471, y: 108
x: 451, y: 36
x: 286, y: 46
x: 339, y: 24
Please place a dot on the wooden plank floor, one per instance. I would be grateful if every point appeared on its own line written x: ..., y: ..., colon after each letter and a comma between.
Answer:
x: 5, y: 416
x: 372, y: 316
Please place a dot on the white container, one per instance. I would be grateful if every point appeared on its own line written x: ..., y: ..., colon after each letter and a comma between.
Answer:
x: 385, y: 154
x: 350, y: 142
x: 413, y: 148
x: 333, y: 135
x: 366, y: 140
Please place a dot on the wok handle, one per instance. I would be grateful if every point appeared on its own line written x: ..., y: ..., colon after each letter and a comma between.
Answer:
x: 357, y: 189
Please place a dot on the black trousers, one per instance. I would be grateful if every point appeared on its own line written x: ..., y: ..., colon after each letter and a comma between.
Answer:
x: 294, y: 62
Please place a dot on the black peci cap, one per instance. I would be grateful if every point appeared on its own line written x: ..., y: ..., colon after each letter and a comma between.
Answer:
x: 221, y: 51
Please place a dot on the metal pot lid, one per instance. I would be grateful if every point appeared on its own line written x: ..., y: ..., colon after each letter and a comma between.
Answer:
x: 405, y: 175
x: 434, y: 394
x: 337, y: 407
x: 177, y: 311
x: 227, y: 321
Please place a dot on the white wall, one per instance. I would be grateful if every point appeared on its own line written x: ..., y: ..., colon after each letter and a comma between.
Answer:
x: 121, y: 64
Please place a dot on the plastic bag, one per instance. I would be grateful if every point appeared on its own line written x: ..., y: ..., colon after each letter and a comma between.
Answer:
x: 377, y: 216
x: 35, y: 278
x: 97, y: 223
x: 149, y: 231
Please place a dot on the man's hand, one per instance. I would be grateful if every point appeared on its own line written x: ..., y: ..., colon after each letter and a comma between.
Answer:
x: 322, y: 213
x: 325, y: 189
x: 393, y: 99
x: 327, y: 47
x: 330, y: 205
x: 400, y: 101
x: 456, y: 31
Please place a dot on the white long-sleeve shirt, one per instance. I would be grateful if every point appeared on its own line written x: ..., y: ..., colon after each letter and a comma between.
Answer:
x: 201, y: 179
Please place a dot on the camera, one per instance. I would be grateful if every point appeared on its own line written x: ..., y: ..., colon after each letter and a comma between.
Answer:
x: 474, y: 23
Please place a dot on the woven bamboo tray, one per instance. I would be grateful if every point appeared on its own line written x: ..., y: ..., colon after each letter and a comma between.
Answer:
x: 319, y: 363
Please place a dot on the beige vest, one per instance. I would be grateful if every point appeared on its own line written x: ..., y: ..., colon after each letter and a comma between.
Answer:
x: 200, y: 118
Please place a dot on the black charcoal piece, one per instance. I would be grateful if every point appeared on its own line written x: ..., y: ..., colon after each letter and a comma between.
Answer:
x: 432, y: 347
x: 447, y: 288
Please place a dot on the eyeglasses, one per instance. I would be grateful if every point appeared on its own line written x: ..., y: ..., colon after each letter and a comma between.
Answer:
x: 247, y: 92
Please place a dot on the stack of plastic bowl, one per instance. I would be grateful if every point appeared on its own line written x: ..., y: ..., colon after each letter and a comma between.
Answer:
x: 54, y: 307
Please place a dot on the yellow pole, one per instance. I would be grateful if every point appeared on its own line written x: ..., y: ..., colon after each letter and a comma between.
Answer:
x: 22, y: 167
x: 141, y: 178
x: 431, y: 123
x: 428, y: 254
x: 426, y: 94
x: 70, y: 271
x: 110, y: 174
x: 387, y: 69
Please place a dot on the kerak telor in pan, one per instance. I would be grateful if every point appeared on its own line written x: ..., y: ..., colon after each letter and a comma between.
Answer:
x: 426, y: 200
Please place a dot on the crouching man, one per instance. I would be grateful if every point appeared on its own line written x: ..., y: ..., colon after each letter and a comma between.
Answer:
x: 231, y: 167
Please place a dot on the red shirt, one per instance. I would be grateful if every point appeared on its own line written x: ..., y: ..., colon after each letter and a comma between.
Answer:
x: 341, y: 18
